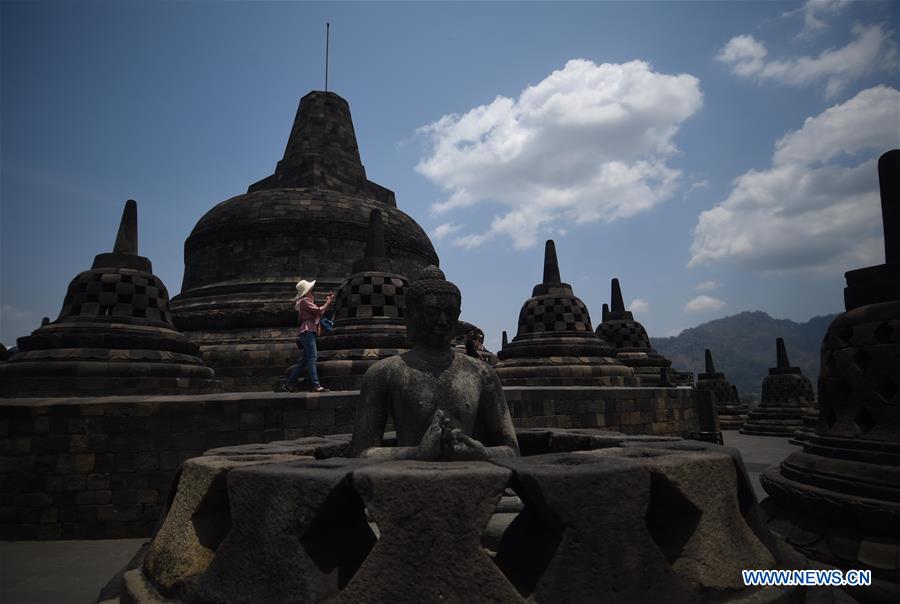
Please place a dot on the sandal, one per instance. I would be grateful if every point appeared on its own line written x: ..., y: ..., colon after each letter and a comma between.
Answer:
x: 320, y: 389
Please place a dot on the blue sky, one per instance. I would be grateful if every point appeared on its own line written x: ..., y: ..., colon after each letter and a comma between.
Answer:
x: 714, y: 156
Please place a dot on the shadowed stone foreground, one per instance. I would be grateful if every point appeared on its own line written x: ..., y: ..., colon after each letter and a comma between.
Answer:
x: 596, y: 516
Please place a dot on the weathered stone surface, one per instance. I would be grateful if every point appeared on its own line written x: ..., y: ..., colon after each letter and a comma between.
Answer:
x: 369, y: 316
x: 431, y: 517
x: 114, y: 335
x: 298, y: 534
x: 312, y: 446
x: 445, y: 406
x: 539, y: 441
x: 582, y: 536
x: 732, y: 413
x: 746, y: 496
x: 555, y: 343
x: 196, y: 523
x: 307, y: 220
x: 630, y: 340
x: 787, y: 396
x: 837, y: 501
x: 696, y: 517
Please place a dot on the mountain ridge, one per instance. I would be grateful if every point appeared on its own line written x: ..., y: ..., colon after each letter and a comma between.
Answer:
x: 743, y: 347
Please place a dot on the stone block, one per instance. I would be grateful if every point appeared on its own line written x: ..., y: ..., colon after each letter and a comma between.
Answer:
x: 196, y: 523
x: 80, y: 463
x: 582, y: 536
x: 413, y: 562
x: 304, y: 519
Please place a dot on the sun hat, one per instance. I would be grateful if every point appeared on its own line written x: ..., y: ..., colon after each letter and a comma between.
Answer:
x: 303, y: 287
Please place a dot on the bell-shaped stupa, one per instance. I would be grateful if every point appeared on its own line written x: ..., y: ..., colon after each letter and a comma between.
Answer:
x: 787, y: 395
x: 114, y: 335
x: 308, y: 220
x: 838, y: 500
x: 630, y: 340
x: 555, y: 344
x: 732, y: 414
x: 369, y: 316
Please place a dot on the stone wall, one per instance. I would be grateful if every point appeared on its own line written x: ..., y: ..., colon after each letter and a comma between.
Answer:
x: 102, y: 467
x: 668, y: 411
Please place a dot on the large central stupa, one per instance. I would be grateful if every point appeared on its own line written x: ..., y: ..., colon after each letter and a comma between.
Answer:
x: 308, y: 220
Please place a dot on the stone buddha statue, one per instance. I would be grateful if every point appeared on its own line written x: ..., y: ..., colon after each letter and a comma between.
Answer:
x: 445, y: 406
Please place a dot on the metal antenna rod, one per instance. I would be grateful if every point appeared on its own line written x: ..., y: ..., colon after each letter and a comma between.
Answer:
x: 327, y: 32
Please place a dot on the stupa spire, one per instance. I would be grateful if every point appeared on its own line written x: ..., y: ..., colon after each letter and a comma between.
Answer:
x: 125, y: 249
x: 781, y: 351
x: 551, y: 264
x: 127, y: 238
x: 889, y: 182
x: 710, y: 366
x: 617, y: 304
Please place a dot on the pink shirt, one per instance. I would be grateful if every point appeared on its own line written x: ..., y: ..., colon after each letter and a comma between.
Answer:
x: 309, y: 315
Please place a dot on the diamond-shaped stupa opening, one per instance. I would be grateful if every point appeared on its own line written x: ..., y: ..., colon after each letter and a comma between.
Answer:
x: 865, y: 420
x: 668, y: 502
x: 887, y: 389
x: 830, y: 417
x: 883, y: 333
x: 861, y: 359
x: 846, y: 334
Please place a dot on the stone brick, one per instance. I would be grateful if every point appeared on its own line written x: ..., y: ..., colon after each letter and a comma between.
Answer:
x: 168, y: 460
x: 93, y: 497
x: 81, y: 463
x: 87, y: 443
x: 98, y: 482
x: 252, y: 421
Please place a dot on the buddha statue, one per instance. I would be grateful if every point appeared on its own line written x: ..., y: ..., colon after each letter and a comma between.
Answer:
x: 445, y: 406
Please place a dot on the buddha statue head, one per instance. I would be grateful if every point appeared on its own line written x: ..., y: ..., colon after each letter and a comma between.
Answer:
x: 432, y: 309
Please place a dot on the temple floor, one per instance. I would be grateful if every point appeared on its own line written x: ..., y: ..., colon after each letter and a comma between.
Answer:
x: 38, y: 572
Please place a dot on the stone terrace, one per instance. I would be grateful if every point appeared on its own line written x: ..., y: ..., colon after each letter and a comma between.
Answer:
x: 97, y: 468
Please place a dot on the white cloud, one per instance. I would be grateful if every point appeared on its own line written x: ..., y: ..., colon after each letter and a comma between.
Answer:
x: 872, y: 50
x: 817, y: 207
x: 443, y: 230
x: 704, y: 286
x: 587, y: 143
x: 704, y: 304
x: 700, y: 184
x: 639, y: 305
x: 815, y: 12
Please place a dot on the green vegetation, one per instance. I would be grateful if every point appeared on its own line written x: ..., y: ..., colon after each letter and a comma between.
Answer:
x: 743, y: 347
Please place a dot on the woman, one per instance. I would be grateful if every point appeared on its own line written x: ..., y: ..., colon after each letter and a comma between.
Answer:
x: 309, y: 315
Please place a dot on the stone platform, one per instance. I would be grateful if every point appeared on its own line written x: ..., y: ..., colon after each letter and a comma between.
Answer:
x: 600, y: 516
x: 94, y: 468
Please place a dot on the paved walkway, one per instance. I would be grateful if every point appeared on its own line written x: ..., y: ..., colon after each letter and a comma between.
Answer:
x: 56, y: 572
x: 759, y: 452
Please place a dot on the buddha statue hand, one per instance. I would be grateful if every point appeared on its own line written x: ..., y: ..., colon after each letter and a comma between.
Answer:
x: 456, y: 445
x: 430, y: 446
x: 465, y: 448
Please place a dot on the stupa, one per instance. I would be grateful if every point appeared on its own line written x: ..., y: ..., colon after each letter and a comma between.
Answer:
x: 732, y: 414
x: 630, y: 340
x: 787, y: 395
x: 838, y: 500
x: 308, y: 220
x: 369, y: 316
x: 114, y: 335
x: 555, y: 344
